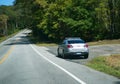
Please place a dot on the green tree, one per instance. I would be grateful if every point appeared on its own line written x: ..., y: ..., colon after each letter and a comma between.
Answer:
x: 3, y: 23
x: 114, y: 7
x: 12, y: 21
x: 23, y: 9
x: 56, y: 19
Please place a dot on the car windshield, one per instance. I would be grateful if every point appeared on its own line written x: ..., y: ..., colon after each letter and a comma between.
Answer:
x: 75, y: 41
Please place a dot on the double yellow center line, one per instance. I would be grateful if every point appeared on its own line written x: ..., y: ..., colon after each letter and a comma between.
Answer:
x: 7, y: 54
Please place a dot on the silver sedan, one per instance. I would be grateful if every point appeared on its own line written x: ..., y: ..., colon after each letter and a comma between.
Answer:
x: 73, y: 47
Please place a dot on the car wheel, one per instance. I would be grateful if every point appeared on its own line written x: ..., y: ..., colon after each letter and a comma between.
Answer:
x: 63, y: 54
x: 58, y: 54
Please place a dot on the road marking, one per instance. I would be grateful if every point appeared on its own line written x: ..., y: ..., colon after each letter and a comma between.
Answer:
x: 70, y: 74
x: 6, y: 55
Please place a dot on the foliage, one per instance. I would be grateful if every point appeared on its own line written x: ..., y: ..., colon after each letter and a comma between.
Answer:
x: 3, y: 23
x: 8, y: 20
x: 56, y: 19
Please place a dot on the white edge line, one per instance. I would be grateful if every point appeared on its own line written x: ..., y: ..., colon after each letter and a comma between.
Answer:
x: 70, y: 74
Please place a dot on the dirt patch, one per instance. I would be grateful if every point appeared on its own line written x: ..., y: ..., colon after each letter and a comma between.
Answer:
x: 113, y: 61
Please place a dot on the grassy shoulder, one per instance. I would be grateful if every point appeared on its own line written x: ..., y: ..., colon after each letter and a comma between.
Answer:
x: 3, y: 38
x: 8, y: 36
x: 104, y: 42
x: 40, y: 42
x: 106, y: 64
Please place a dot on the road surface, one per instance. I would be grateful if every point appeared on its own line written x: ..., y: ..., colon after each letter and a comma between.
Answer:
x: 24, y: 63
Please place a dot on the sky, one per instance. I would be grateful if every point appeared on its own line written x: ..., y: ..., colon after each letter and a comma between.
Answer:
x: 6, y: 2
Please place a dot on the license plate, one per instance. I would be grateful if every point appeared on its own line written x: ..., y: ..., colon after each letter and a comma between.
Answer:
x: 78, y: 53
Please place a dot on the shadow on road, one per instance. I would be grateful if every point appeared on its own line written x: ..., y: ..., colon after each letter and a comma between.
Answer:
x: 118, y: 82
x: 18, y: 40
x: 71, y: 57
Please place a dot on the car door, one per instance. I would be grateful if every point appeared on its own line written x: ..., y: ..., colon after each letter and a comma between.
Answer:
x: 61, y: 47
x: 64, y: 46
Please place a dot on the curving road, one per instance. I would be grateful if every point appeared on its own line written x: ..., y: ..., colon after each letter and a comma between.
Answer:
x: 24, y: 63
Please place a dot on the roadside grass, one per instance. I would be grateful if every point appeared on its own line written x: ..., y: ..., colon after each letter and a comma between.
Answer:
x: 106, y: 64
x: 40, y: 42
x: 46, y: 44
x: 103, y: 42
x: 3, y: 38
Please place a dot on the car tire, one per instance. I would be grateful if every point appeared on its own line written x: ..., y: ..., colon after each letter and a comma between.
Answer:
x: 63, y: 55
x: 58, y: 54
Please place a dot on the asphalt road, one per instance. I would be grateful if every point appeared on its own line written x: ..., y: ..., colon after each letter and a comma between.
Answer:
x: 24, y: 63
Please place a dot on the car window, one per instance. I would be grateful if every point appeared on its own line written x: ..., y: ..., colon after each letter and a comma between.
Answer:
x: 75, y: 41
x: 63, y: 42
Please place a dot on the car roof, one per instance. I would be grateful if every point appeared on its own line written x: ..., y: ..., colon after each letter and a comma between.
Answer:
x: 73, y: 38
